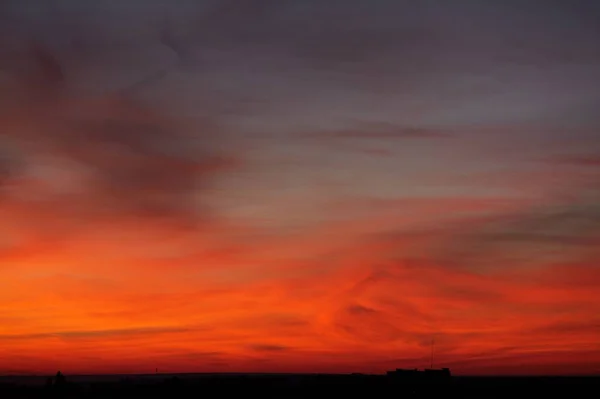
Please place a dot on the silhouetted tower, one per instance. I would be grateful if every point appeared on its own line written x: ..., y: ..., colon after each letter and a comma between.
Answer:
x: 432, y: 345
x: 60, y: 379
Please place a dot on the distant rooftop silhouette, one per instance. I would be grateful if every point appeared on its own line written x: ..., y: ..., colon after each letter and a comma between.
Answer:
x: 425, y: 374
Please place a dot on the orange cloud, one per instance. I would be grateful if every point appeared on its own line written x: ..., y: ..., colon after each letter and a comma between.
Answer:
x: 131, y: 294
x: 354, y: 310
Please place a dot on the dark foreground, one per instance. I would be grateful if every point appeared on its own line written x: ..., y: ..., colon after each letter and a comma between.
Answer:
x: 298, y: 386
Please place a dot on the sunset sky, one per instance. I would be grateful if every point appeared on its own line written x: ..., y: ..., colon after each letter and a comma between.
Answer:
x: 299, y: 185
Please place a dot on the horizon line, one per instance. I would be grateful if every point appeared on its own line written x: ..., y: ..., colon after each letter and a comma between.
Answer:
x: 191, y: 373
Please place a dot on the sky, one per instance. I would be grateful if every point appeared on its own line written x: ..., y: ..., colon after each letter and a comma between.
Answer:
x: 299, y: 186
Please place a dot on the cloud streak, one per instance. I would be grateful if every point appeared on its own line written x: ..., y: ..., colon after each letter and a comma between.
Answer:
x: 97, y: 334
x: 379, y: 131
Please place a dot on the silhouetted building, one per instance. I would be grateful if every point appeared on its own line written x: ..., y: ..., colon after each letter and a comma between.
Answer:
x: 443, y: 373
x: 404, y: 373
x: 415, y: 375
x: 58, y: 380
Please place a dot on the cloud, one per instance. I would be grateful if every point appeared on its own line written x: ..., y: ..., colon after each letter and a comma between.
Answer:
x: 573, y: 328
x: 359, y: 309
x: 269, y: 348
x: 381, y: 131
x: 468, y: 312
x: 377, y: 152
x: 97, y: 334
x: 581, y: 160
x: 7, y: 166
x: 120, y: 155
x: 556, y: 231
x: 365, y: 324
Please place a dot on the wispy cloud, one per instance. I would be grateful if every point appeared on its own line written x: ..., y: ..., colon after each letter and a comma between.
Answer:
x: 269, y: 348
x: 97, y: 334
x: 382, y: 131
x: 129, y: 157
x: 578, y: 160
x: 562, y: 232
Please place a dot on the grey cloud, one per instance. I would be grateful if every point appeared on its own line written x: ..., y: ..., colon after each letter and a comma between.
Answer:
x: 6, y: 167
x: 141, y: 161
x: 381, y: 130
x: 577, y: 160
x: 338, y: 32
x: 558, y: 232
x: 415, y: 49
x: 409, y: 49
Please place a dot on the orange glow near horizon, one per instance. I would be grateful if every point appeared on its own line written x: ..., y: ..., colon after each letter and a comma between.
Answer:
x: 357, y: 308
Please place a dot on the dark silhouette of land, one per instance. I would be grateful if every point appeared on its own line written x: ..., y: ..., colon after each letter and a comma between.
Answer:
x: 398, y: 383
